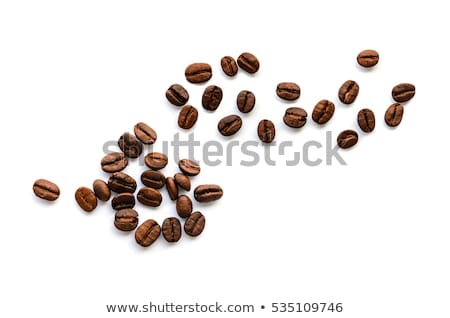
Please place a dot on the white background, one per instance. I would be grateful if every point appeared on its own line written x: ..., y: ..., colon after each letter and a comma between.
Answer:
x: 373, y: 235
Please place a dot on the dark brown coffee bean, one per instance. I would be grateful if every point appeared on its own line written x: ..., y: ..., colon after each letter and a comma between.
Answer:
x: 156, y: 160
x: 130, y: 145
x: 323, y: 111
x: 211, y: 98
x: 366, y: 120
x: 120, y: 182
x: 295, y: 117
x: 368, y: 58
x: 403, y: 92
x: 394, y: 114
x: 172, y: 188
x: 171, y: 229
x: 347, y: 139
x: 153, y: 179
x: 189, y: 167
x: 348, y: 92
x: 114, y: 162
x: 288, y: 91
x: 46, y: 190
x: 187, y: 117
x: 147, y: 233
x: 229, y: 66
x: 86, y: 199
x: 123, y: 201
x: 195, y: 224
x: 248, y: 62
x: 266, y: 131
x: 149, y: 196
x: 208, y: 192
x: 182, y: 181
x: 245, y: 101
x: 184, y: 206
x: 229, y: 125
x: 101, y: 190
x: 177, y: 95
x: 126, y: 219
x: 198, y: 72
x: 146, y: 134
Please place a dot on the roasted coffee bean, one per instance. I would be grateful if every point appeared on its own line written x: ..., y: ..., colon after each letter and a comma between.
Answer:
x: 348, y: 92
x: 394, y: 115
x: 130, y: 145
x: 403, y: 92
x: 195, y: 224
x: 229, y: 125
x: 248, y: 62
x: 347, y: 139
x: 245, y: 101
x: 366, y: 120
x: 86, y: 199
x: 368, y: 58
x: 172, y: 188
x: 46, y: 190
x: 189, y: 167
x: 187, y: 117
x: 229, y: 66
x: 198, y: 72
x: 126, y: 219
x: 323, y: 111
x: 171, y: 229
x: 114, y: 162
x: 182, y: 181
x: 146, y: 134
x: 153, y: 179
x: 184, y: 206
x: 101, y: 190
x: 123, y: 201
x: 156, y: 160
x: 120, y: 182
x: 295, y: 117
x: 212, y: 96
x: 266, y: 131
x: 147, y: 233
x: 288, y: 91
x: 208, y: 192
x: 149, y: 196
x: 177, y: 95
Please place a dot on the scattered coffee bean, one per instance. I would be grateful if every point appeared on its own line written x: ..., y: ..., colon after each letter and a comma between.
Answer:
x: 172, y: 188
x: 403, y: 92
x: 114, y: 162
x: 212, y: 96
x: 368, y: 58
x: 245, y: 101
x: 348, y: 92
x: 182, y: 181
x: 208, y: 192
x: 86, y: 199
x: 198, y: 72
x: 153, y: 179
x: 171, y: 229
x: 187, y: 117
x: 189, y: 167
x: 149, y: 196
x: 288, y: 91
x: 147, y: 233
x: 394, y: 114
x: 229, y: 125
x: 195, y: 224
x: 120, y: 182
x: 156, y: 160
x: 130, y: 145
x: 347, y: 139
x: 101, y: 190
x: 46, y: 190
x: 323, y: 111
x: 126, y: 219
x: 248, y: 62
x: 123, y: 201
x: 295, y: 117
x: 146, y: 134
x: 229, y: 66
x: 366, y: 120
x: 184, y: 206
x: 177, y: 95
x: 266, y: 131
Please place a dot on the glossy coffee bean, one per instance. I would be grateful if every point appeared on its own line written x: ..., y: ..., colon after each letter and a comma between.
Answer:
x: 295, y: 117
x: 347, y: 139
x: 348, y: 92
x: 229, y: 125
x: 126, y: 219
x: 189, y: 167
x: 171, y: 229
x: 208, y: 192
x: 195, y: 224
x: 153, y: 179
x: 229, y: 65
x: 147, y: 233
x: 187, y: 117
x: 368, y: 58
x: 146, y: 134
x: 198, y: 72
x: 101, y: 190
x: 366, y: 120
x: 211, y: 98
x: 403, y: 92
x: 156, y: 160
x: 120, y: 182
x: 86, y: 199
x: 130, y: 145
x: 149, y: 197
x: 288, y: 91
x: 123, y: 201
x: 245, y: 101
x: 177, y: 95
x: 323, y: 111
x: 46, y: 190
x: 114, y: 162
x: 184, y: 206
x: 182, y: 181
x: 172, y: 188
x: 394, y: 115
x: 248, y: 62
x: 266, y: 131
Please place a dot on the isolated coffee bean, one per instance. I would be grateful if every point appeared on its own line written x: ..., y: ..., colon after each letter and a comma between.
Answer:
x: 187, y: 117
x: 46, y: 190
x: 323, y: 111
x: 120, y: 182
x: 149, y: 196
x: 126, y: 219
x: 348, y: 92
x: 266, y: 131
x: 394, y: 115
x: 184, y: 206
x: 229, y: 125
x: 366, y: 120
x: 114, y: 162
x: 101, y: 190
x: 208, y: 192
x: 153, y: 179
x: 368, y: 58
x: 171, y: 229
x: 248, y: 62
x: 288, y: 91
x: 123, y: 201
x: 156, y: 160
x: 195, y: 224
x: 403, y: 92
x: 86, y: 199
x: 177, y: 95
x: 295, y: 117
x: 245, y: 101
x: 189, y: 167
x: 146, y: 134
x: 198, y: 72
x: 172, y: 188
x: 182, y: 181
x: 347, y: 139
x: 229, y: 65
x: 147, y: 233
x: 212, y: 96
x: 130, y: 145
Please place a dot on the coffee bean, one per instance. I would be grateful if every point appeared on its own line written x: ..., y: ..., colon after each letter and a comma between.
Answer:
x: 394, y: 115
x: 86, y: 199
x: 123, y: 201
x: 348, y: 92
x: 189, y: 167
x: 288, y: 91
x: 177, y: 95
x: 184, y: 206
x: 156, y: 160
x: 368, y: 58
x: 172, y: 188
x: 347, y: 139
x: 366, y: 120
x: 171, y: 229
x: 245, y: 101
x: 182, y: 181
x: 130, y: 145
x: 187, y: 117
x: 229, y: 125
x: 126, y: 219
x: 198, y: 72
x: 248, y: 62
x: 211, y: 98
x: 266, y: 131
x: 323, y: 111
x: 114, y: 162
x: 101, y: 190
x: 195, y: 224
x: 46, y: 190
x: 153, y: 179
x: 149, y: 196
x: 403, y: 92
x: 229, y: 66
x: 147, y: 233
x: 208, y: 192
x: 146, y: 134
x: 120, y: 182
x: 295, y: 117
